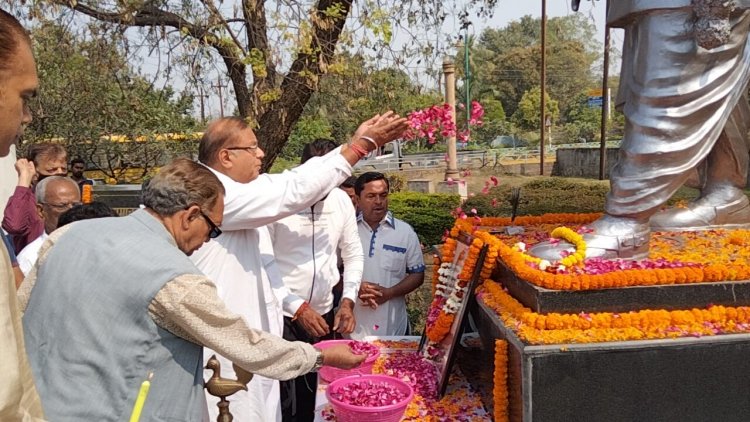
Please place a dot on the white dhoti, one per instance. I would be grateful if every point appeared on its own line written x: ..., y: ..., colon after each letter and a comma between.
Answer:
x: 685, y: 108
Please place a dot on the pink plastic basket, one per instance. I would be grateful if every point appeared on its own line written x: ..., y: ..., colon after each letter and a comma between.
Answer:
x: 349, y: 413
x: 330, y: 373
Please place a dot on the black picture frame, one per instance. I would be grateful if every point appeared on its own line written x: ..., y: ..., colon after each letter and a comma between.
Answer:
x: 447, y: 358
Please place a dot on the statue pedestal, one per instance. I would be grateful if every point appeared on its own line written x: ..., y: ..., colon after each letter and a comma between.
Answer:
x: 457, y: 187
x: 684, y: 379
x: 636, y: 298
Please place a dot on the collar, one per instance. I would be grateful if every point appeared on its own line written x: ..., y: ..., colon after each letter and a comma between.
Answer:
x: 153, y: 224
x: 223, y: 178
x: 389, y: 219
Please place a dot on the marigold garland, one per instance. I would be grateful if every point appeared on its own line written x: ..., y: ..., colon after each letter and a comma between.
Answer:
x: 86, y: 194
x: 435, y: 270
x: 555, y: 328
x: 575, y: 239
x: 500, y: 382
x: 449, y: 292
x: 727, y: 268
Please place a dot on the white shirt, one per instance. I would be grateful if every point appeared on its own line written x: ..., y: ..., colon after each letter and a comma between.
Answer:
x: 391, y: 251
x: 28, y: 256
x: 241, y: 263
x: 305, y: 246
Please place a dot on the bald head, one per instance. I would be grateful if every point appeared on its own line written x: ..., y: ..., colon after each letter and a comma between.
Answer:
x: 220, y: 133
x: 54, y: 196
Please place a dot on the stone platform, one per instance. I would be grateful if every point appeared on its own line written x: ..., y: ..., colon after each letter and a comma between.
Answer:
x: 686, y: 379
x: 676, y: 296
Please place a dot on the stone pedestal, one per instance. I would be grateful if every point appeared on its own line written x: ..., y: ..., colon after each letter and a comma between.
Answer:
x: 636, y: 298
x: 685, y: 379
x: 456, y: 187
x: 420, y: 185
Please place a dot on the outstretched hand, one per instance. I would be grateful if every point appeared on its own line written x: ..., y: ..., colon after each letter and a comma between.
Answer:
x: 341, y: 356
x: 383, y: 128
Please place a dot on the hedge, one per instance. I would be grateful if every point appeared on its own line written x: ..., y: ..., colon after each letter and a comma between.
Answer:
x: 428, y: 213
x: 552, y: 195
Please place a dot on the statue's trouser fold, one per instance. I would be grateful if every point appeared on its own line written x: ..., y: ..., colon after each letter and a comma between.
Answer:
x: 685, y: 108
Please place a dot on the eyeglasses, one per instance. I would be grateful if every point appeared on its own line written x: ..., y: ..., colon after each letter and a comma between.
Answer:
x: 215, y: 230
x: 62, y: 206
x: 248, y: 149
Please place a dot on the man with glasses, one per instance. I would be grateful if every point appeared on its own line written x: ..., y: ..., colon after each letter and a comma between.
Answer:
x: 115, y: 299
x: 242, y: 261
x: 54, y: 196
x: 21, y: 220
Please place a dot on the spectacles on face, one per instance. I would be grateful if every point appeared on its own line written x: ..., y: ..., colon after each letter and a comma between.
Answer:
x: 215, y: 230
x: 250, y: 149
x: 64, y: 206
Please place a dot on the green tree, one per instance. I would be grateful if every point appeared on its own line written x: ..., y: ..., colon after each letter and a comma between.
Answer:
x: 507, y: 60
x: 90, y: 92
x: 527, y: 114
x: 583, y: 123
x: 306, y: 130
x: 274, y: 54
x: 357, y: 91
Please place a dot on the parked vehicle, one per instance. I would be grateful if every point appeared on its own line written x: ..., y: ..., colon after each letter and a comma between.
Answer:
x: 391, y: 157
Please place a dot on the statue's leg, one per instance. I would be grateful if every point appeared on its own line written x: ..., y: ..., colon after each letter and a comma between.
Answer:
x: 677, y: 99
x: 723, y: 176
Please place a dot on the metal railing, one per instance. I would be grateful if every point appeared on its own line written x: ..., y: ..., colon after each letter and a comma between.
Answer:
x: 469, y: 159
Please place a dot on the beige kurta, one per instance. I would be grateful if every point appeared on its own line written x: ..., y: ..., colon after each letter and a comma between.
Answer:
x: 19, y: 400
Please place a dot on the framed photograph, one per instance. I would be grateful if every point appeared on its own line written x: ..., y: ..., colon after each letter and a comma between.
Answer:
x: 450, y: 306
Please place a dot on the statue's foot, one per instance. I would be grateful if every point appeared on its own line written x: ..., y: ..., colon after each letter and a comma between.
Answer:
x: 705, y: 213
x: 611, y: 238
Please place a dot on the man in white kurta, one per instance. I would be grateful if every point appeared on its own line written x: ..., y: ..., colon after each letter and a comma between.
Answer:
x: 241, y: 261
x: 305, y: 246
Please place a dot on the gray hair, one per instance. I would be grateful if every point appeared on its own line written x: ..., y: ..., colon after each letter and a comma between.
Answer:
x: 179, y: 185
x: 41, y: 187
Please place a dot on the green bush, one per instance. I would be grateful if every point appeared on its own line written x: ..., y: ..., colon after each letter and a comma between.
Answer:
x: 396, y: 182
x: 552, y: 195
x: 429, y: 214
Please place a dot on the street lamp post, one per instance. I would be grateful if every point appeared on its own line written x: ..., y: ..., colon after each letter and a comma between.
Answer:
x: 467, y: 77
x: 543, y: 120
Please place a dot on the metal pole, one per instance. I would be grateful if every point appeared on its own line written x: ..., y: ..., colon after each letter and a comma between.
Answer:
x: 219, y: 86
x: 203, y: 108
x: 449, y: 70
x: 605, y: 102
x: 542, y: 120
x: 467, y: 80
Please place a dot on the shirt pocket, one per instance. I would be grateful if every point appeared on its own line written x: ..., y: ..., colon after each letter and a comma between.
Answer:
x: 394, y: 258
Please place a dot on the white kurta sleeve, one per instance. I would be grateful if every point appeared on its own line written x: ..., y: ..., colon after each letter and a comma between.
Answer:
x: 272, y: 197
x: 351, y: 251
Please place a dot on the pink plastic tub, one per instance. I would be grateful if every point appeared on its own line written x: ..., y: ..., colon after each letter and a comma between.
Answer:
x: 330, y: 373
x: 349, y: 413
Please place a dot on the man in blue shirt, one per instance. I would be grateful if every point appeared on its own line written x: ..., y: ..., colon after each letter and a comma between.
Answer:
x: 394, y: 265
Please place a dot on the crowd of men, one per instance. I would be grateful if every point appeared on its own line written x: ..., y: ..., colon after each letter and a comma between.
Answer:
x: 220, y: 259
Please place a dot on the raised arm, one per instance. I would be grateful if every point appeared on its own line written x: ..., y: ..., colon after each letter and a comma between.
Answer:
x: 272, y: 197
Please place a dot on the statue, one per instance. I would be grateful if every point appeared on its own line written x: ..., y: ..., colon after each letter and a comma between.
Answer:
x: 683, y: 90
x: 224, y: 387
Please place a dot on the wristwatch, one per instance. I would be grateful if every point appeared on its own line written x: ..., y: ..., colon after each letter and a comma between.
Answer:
x: 318, y: 360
